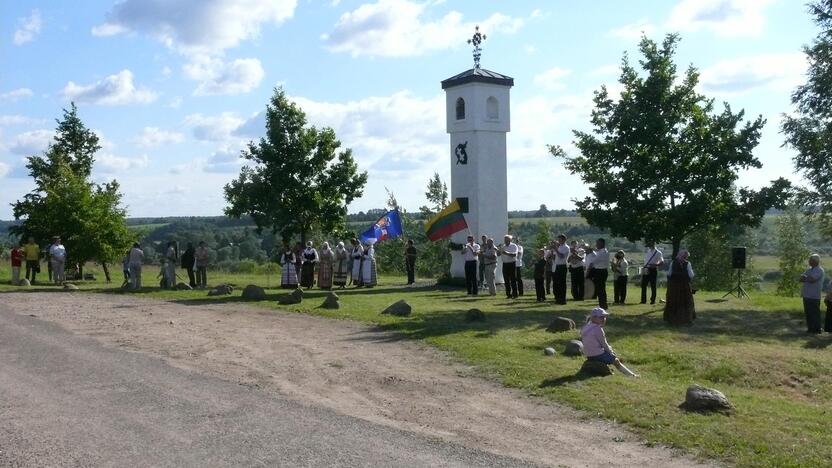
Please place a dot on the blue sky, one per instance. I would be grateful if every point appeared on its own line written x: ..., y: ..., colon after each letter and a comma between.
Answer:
x: 175, y: 88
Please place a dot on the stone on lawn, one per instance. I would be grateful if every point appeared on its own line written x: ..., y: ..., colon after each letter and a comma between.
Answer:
x: 70, y: 287
x: 254, y: 293
x: 295, y: 297
x: 24, y: 283
x: 331, y: 301
x: 399, y: 309
x: 595, y: 368
x: 574, y: 348
x: 703, y: 399
x: 180, y: 286
x: 221, y: 290
x: 474, y: 315
x: 549, y: 351
x: 561, y: 324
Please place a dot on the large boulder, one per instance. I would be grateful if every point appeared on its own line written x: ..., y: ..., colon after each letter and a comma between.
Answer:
x: 331, y: 301
x: 399, y: 308
x: 474, y: 315
x: 24, y: 283
x: 295, y: 297
x: 180, y: 286
x: 596, y: 368
x: 574, y: 348
x: 221, y: 290
x: 561, y: 324
x: 70, y: 287
x: 703, y: 399
x: 254, y: 293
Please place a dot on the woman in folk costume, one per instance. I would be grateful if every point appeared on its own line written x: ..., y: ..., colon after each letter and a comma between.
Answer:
x: 327, y: 256
x: 357, y: 254
x: 288, y: 274
x: 678, y: 307
x: 369, y: 275
x: 309, y: 259
x: 341, y: 267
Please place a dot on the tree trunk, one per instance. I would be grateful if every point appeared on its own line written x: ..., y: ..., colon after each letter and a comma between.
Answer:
x: 80, y: 272
x: 106, y: 271
x: 676, y: 246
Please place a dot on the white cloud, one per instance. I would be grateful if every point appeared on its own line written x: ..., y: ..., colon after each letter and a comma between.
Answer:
x: 774, y: 71
x: 398, y: 28
x: 109, y: 163
x: 5, y: 169
x: 214, y: 128
x: 605, y: 70
x: 225, y: 160
x: 32, y: 142
x: 154, y: 136
x: 634, y: 30
x: 217, y: 77
x: 108, y: 29
x: 28, y: 28
x: 19, y: 120
x: 198, y: 26
x: 16, y: 94
x: 730, y: 18
x: 175, y: 102
x: 113, y: 90
x: 552, y: 78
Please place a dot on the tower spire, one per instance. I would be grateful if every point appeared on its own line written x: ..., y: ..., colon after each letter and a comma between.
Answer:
x: 476, y: 40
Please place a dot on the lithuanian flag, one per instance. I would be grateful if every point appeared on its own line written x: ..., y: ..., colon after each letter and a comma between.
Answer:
x: 446, y: 222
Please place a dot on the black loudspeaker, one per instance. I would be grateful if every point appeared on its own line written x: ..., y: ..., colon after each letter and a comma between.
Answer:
x: 738, y: 258
x: 463, y: 204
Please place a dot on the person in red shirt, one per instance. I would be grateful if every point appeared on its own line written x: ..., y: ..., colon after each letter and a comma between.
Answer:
x: 17, y: 260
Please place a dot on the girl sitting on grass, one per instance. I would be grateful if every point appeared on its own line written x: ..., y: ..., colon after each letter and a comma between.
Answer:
x: 596, y: 347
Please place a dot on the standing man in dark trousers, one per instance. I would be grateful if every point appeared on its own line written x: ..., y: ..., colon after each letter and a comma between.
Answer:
x: 470, y: 252
x: 549, y: 274
x: 577, y: 271
x: 812, y: 291
x: 540, y: 268
x: 484, y: 240
x: 187, y: 261
x: 561, y: 257
x: 652, y: 261
x: 410, y: 262
x: 508, y: 253
x: 600, y: 269
x: 518, y: 264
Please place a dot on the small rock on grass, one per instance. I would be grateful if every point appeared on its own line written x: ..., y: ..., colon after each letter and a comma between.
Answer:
x: 595, y: 368
x: 400, y: 309
x: 474, y: 315
x: 549, y: 351
x: 70, y: 287
x: 574, y: 348
x: 24, y: 283
x: 331, y: 301
x: 705, y: 400
x: 561, y: 324
x: 254, y: 293
x: 180, y: 286
x: 295, y: 297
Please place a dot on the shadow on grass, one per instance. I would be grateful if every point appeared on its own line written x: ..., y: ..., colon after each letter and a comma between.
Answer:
x: 566, y: 379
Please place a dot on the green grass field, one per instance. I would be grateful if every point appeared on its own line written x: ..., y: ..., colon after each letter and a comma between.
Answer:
x: 754, y: 350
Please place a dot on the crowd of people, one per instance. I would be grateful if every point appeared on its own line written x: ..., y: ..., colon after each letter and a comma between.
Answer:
x: 30, y: 255
x: 336, y: 268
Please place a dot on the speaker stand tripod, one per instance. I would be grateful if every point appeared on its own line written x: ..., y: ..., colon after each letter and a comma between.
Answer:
x: 738, y: 289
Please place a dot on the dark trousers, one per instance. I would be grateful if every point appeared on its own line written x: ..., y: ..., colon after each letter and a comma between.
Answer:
x: 599, y: 278
x: 482, y: 273
x: 191, y: 276
x: 539, y: 289
x: 202, y: 276
x: 811, y: 307
x: 411, y: 272
x: 649, y: 278
x: 577, y: 279
x: 620, y: 290
x: 550, y: 279
x: 518, y: 276
x: 559, y: 286
x: 32, y: 267
x: 471, y: 277
x: 828, y: 325
x: 510, y: 280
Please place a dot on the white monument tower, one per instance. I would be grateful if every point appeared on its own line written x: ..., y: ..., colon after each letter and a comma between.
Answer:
x: 478, y: 118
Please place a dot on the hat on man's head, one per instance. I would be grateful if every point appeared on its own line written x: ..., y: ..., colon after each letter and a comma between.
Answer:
x: 598, y: 312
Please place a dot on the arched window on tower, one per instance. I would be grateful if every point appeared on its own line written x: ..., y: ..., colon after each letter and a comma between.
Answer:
x: 492, y: 108
x: 460, y: 108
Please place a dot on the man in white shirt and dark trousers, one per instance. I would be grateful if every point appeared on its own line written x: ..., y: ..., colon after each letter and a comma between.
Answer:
x: 470, y: 252
x: 652, y: 261
x: 600, y: 268
x: 509, y: 255
x: 561, y: 254
x: 518, y: 276
x: 812, y: 291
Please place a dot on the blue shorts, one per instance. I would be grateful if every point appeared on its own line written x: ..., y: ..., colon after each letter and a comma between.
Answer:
x: 606, y: 357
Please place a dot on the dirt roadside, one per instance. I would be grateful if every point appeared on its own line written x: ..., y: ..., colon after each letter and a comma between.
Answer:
x: 351, y: 369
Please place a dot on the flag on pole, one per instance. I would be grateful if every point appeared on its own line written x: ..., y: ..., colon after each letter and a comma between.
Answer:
x: 388, y: 226
x: 446, y: 222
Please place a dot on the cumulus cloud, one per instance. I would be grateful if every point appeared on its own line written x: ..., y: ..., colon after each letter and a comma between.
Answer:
x: 217, y: 77
x: 214, y: 128
x: 197, y: 26
x: 552, y: 78
x: 18, y: 120
x: 16, y: 94
x: 729, y: 18
x: 154, y: 136
x: 113, y: 90
x: 743, y: 74
x: 5, y: 169
x: 109, y: 163
x: 31, y: 142
x: 226, y: 160
x: 28, y: 28
x: 108, y: 29
x: 634, y: 30
x: 399, y: 28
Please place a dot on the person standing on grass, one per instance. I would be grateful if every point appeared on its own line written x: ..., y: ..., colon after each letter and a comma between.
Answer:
x: 619, y: 275
x: 125, y: 269
x: 812, y: 280
x: 509, y: 256
x: 540, y: 267
x: 171, y: 258
x: 202, y: 258
x: 518, y: 275
x: 489, y: 259
x: 470, y: 252
x: 577, y: 271
x: 596, y: 347
x: 410, y: 262
x: 187, y: 262
x: 600, y: 270
x: 32, y: 252
x: 652, y: 261
x: 135, y: 261
x: 828, y: 301
x: 679, y: 307
x: 288, y: 274
x: 561, y: 260
x: 57, y: 258
x: 326, y: 258
x: 369, y: 273
x: 309, y: 258
x: 481, y: 263
x: 17, y: 258
x: 589, y: 282
x: 356, y: 255
x: 342, y: 266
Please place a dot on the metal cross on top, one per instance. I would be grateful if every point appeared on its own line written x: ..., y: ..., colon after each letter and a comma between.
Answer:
x: 476, y: 40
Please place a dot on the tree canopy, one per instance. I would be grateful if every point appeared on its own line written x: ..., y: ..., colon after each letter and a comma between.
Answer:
x: 809, y: 132
x: 298, y: 180
x: 87, y: 216
x: 660, y: 163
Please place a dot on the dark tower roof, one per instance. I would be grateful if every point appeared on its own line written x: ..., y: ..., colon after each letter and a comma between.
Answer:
x: 478, y: 75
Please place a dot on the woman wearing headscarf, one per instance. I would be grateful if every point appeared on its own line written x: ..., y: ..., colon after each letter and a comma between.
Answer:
x: 288, y: 274
x: 357, y: 254
x: 678, y: 307
x: 369, y: 275
x: 341, y: 269
x: 309, y: 259
x: 326, y: 257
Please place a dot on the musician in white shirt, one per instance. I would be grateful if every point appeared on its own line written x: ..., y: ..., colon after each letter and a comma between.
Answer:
x: 559, y: 266
x: 518, y: 275
x: 652, y: 261
x: 508, y: 253
x: 470, y: 252
x: 600, y: 269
